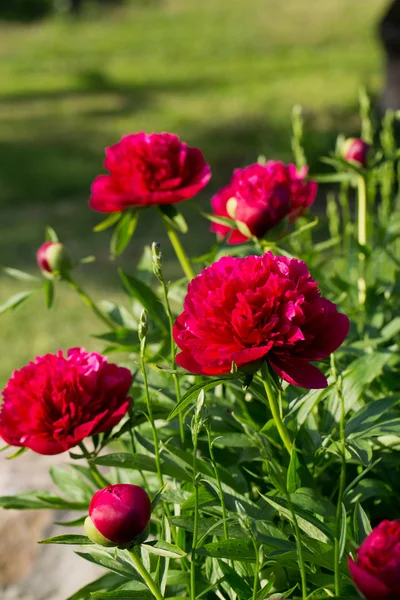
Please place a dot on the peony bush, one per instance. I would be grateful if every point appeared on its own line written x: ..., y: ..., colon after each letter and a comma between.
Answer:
x: 238, y: 436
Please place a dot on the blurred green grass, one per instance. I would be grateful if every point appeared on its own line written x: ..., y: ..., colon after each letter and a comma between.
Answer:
x: 223, y: 75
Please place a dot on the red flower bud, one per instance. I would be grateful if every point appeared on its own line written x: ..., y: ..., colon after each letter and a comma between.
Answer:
x: 53, y: 258
x: 376, y: 571
x: 356, y: 150
x: 118, y: 515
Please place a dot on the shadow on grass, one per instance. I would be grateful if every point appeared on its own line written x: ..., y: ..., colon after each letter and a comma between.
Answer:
x: 46, y: 178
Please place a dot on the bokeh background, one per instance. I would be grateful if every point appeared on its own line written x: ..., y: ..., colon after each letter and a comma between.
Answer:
x: 224, y: 75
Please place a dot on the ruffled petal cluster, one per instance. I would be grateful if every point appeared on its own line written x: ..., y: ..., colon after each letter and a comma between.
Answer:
x: 55, y: 402
x: 376, y: 573
x: 260, y: 197
x: 149, y: 170
x: 266, y: 307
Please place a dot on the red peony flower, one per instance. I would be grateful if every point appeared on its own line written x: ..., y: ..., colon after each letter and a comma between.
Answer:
x: 118, y: 514
x: 356, y: 150
x: 53, y: 257
x: 259, y: 197
x: 376, y: 573
x: 268, y: 307
x: 53, y: 403
x: 149, y: 169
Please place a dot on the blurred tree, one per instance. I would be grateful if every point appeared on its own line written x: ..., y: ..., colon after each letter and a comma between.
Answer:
x: 389, y: 30
x: 25, y: 10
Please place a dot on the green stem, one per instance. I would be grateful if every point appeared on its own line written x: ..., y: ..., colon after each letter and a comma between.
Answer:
x: 150, y: 411
x: 173, y: 354
x: 300, y: 556
x: 196, y: 522
x: 89, y: 302
x: 256, y: 570
x: 283, y: 432
x: 362, y: 236
x: 179, y: 251
x: 97, y: 476
x: 145, y: 574
x: 342, y: 480
x: 217, y: 477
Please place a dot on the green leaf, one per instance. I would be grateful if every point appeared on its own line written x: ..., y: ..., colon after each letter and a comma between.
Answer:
x: 293, y: 481
x: 164, y: 549
x: 234, y: 440
x: 73, y: 523
x: 233, y: 549
x: 111, y: 560
x: 50, y: 235
x: 361, y: 525
x: 147, y: 298
x: 75, y: 540
x: 204, y: 497
x: 192, y: 394
x: 362, y: 420
x: 71, y: 484
x: 40, y: 499
x: 141, y: 462
x: 306, y: 521
x: 142, y: 594
x: 343, y: 531
x: 108, y: 222
x: 20, y: 275
x: 16, y: 301
x: 236, y: 582
x: 48, y: 293
x: 106, y: 582
x: 123, y: 232
x: 173, y: 217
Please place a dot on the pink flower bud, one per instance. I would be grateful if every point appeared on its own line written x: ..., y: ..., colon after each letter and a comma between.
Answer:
x: 376, y: 570
x: 356, y: 150
x: 119, y: 515
x: 53, y: 258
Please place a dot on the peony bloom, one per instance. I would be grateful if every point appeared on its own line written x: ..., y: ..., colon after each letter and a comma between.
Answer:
x: 118, y: 514
x: 53, y: 258
x: 53, y: 403
x: 149, y: 169
x: 356, y: 150
x: 261, y: 196
x: 376, y: 573
x: 245, y: 310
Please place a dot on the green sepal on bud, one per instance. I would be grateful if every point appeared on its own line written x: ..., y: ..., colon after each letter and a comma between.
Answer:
x: 95, y: 536
x: 157, y: 260
x: 143, y: 325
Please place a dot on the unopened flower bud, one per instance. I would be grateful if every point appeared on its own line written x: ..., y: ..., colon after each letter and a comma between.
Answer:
x: 157, y: 260
x: 356, y: 150
x: 143, y: 325
x: 54, y: 259
x: 119, y: 515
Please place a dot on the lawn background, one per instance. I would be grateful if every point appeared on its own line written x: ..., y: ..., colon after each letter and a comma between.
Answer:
x: 223, y: 75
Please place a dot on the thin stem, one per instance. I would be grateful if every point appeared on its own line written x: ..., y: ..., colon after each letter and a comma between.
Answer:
x: 256, y: 570
x: 342, y: 480
x: 196, y: 521
x: 97, y: 476
x: 173, y: 354
x: 283, y: 432
x: 362, y: 236
x: 150, y: 411
x: 89, y: 302
x: 217, y: 477
x: 300, y: 556
x: 145, y: 574
x: 179, y: 251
